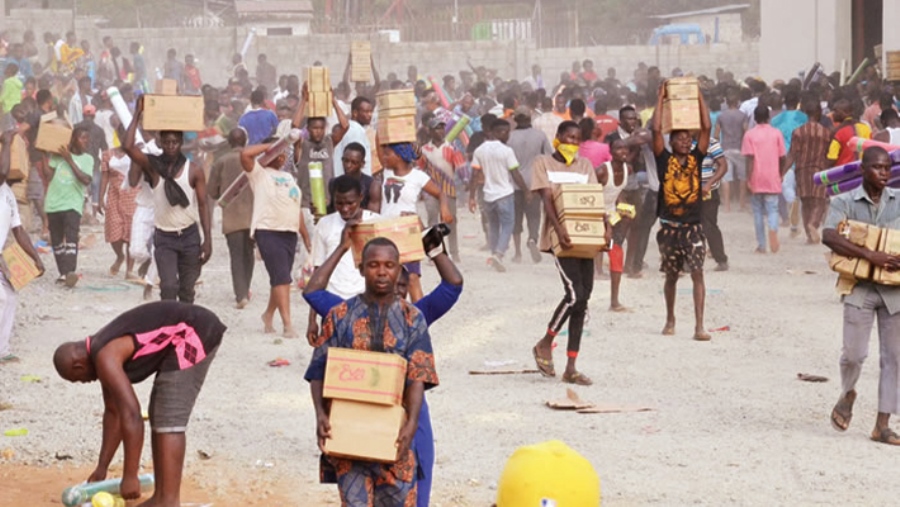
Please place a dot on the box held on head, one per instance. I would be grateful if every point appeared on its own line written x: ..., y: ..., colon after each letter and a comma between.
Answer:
x: 364, y: 431
x: 168, y: 112
x: 166, y: 87
x: 361, y: 375
x: 405, y: 232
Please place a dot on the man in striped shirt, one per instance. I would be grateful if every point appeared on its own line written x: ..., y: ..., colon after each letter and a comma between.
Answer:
x: 714, y: 167
x: 809, y: 153
x: 440, y: 160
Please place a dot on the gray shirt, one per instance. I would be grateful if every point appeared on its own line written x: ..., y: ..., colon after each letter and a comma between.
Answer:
x: 857, y: 205
x: 527, y: 144
x: 731, y: 124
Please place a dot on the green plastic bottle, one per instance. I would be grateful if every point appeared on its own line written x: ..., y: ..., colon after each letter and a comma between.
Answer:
x: 317, y: 188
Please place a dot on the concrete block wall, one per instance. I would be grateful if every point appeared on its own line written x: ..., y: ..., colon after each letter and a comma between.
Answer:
x: 214, y: 47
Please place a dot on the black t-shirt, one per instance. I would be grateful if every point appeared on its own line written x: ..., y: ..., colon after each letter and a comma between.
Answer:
x: 680, y: 187
x: 477, y: 139
x: 158, y: 330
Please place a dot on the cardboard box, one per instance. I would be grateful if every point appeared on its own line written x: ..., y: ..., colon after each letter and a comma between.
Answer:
x: 52, y: 135
x: 405, y: 232
x: 682, y: 88
x: 19, y: 163
x: 364, y: 431
x: 395, y: 99
x: 681, y: 115
x: 890, y: 244
x: 401, y: 129
x: 320, y: 105
x: 167, y: 112
x: 861, y: 234
x: 586, y: 199
x: 20, y: 268
x: 362, y: 375
x: 361, y: 61
x: 166, y: 87
x: 373, y: 142
x: 586, y: 233
x: 318, y: 79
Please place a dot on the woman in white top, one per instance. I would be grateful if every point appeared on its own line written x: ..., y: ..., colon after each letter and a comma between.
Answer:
x: 396, y: 190
x: 613, y: 175
x: 277, y: 218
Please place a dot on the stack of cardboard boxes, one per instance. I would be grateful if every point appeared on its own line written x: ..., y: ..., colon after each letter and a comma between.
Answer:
x: 366, y: 393
x: 318, y: 82
x: 396, y: 116
x: 361, y: 61
x: 681, y: 108
x: 872, y: 238
x: 581, y: 213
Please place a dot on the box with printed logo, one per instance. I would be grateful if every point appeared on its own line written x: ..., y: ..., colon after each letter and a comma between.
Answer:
x: 361, y: 375
x: 586, y: 234
x: 860, y: 234
x: 361, y: 61
x: 579, y: 199
x: 682, y: 88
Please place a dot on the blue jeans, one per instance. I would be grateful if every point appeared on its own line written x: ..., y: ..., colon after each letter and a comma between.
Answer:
x: 501, y: 219
x: 765, y: 207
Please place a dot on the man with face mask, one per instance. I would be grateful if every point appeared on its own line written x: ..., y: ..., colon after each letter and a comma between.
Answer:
x: 180, y: 203
x: 548, y: 172
x: 355, y: 132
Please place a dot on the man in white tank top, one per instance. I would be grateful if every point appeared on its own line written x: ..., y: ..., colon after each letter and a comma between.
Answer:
x: 179, y: 202
x: 891, y: 133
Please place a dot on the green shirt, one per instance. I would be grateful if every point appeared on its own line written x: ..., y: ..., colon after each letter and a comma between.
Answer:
x: 11, y: 95
x: 65, y: 192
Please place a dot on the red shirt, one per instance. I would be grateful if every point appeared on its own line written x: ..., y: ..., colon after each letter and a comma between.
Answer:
x: 607, y: 124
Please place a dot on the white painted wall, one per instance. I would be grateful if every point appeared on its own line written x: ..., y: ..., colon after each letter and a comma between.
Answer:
x: 797, y: 33
x: 890, y: 33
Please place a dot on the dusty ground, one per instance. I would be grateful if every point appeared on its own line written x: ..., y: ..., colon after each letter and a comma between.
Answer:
x: 732, y: 425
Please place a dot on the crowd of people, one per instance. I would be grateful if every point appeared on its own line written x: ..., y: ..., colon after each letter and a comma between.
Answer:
x: 757, y: 150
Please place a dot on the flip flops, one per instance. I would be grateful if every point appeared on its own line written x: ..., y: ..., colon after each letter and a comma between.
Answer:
x: 545, y: 366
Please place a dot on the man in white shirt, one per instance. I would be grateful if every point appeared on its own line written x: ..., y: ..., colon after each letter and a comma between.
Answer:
x: 495, y: 168
x: 346, y: 281
x: 10, y: 222
x: 360, y: 118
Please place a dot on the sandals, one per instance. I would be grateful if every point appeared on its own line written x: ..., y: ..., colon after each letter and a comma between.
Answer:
x: 842, y: 413
x: 545, y: 366
x: 577, y: 378
x: 885, y: 436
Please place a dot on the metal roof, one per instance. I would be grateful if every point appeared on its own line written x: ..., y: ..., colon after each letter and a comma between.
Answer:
x: 701, y: 12
x: 273, y: 6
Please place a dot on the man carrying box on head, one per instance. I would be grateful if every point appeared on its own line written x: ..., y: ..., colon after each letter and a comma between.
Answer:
x: 180, y: 202
x: 682, y: 246
x: 872, y: 203
x: 548, y: 172
x: 377, y: 320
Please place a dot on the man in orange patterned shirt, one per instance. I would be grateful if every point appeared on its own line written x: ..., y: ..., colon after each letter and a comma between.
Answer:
x: 377, y: 320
